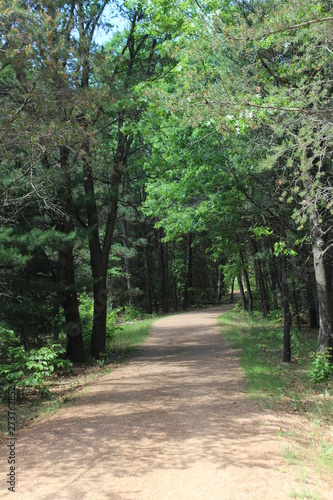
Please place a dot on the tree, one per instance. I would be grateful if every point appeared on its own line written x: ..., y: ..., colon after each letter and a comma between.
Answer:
x: 262, y: 71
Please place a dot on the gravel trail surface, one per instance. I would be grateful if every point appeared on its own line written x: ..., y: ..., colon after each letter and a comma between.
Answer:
x: 173, y: 423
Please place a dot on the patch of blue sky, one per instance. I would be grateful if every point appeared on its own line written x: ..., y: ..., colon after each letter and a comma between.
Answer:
x: 112, y: 20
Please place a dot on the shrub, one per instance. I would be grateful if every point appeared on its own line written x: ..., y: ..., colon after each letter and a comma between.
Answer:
x: 21, y: 368
x: 322, y: 368
x: 131, y: 313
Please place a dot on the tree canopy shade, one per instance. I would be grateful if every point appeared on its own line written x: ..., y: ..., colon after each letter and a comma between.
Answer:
x: 193, y: 147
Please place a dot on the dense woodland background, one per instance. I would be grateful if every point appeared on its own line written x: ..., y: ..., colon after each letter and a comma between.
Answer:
x: 154, y: 166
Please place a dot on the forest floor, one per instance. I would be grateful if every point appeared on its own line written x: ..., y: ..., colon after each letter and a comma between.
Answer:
x: 175, y: 423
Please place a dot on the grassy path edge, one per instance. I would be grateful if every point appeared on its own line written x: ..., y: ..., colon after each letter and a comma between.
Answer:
x: 282, y: 387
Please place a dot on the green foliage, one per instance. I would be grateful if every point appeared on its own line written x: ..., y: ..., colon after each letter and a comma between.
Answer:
x: 7, y: 339
x: 280, y: 247
x: 87, y: 317
x: 132, y: 313
x: 261, y: 232
x: 22, y: 369
x: 322, y: 366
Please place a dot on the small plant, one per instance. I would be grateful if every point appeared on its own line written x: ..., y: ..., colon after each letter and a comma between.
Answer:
x: 21, y: 368
x: 290, y: 456
x: 131, y: 313
x: 322, y: 367
x: 238, y: 306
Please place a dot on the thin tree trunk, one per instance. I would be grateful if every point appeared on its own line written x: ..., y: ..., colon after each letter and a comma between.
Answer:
x: 220, y: 281
x: 241, y: 289
x: 322, y: 254
x: 247, y: 282
x: 188, y: 277
x: 285, y: 295
x: 286, y: 312
x: 298, y: 321
x: 163, y: 274
x: 232, y: 291
x: 274, y: 294
x: 127, y: 266
x: 148, y: 282
x: 99, y: 254
x: 274, y: 272
x: 324, y: 291
x: 75, y: 347
x: 312, y: 305
x: 262, y: 288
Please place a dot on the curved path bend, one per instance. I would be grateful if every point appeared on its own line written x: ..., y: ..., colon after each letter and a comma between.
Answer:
x: 173, y: 423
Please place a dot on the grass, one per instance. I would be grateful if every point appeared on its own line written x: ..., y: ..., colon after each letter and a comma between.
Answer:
x: 268, y: 379
x: 305, y: 493
x: 284, y: 386
x: 128, y: 336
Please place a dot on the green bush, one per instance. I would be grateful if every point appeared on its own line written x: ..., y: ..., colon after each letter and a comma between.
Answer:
x: 21, y: 368
x: 131, y: 313
x: 322, y: 367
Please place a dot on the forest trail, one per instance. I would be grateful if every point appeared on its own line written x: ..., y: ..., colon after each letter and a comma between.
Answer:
x: 173, y: 423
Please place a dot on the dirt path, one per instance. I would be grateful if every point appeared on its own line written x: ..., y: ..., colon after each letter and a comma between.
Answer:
x: 174, y: 423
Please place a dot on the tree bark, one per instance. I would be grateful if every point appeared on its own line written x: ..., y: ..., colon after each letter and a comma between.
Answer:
x: 241, y: 289
x: 262, y: 288
x: 312, y: 301
x: 247, y: 282
x: 188, y: 277
x: 322, y: 260
x: 286, y: 311
x: 163, y: 274
x: 148, y: 282
x: 99, y: 254
x: 220, y: 284
x: 127, y: 266
x: 298, y: 321
x: 285, y: 294
x: 75, y: 347
x: 232, y: 291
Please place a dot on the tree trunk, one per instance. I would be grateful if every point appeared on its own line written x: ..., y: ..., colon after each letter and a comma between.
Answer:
x: 232, y: 291
x: 75, y: 347
x: 188, y: 277
x: 247, y: 282
x: 127, y: 266
x: 241, y: 289
x: 148, y: 282
x: 324, y: 291
x: 98, y: 337
x: 285, y: 294
x: 262, y: 288
x: 274, y: 287
x: 220, y: 283
x: 286, y: 311
x: 163, y: 274
x: 322, y: 260
x: 99, y: 254
x: 312, y: 302
x: 298, y: 321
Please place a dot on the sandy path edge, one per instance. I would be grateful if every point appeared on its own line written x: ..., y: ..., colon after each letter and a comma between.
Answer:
x: 174, y: 423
